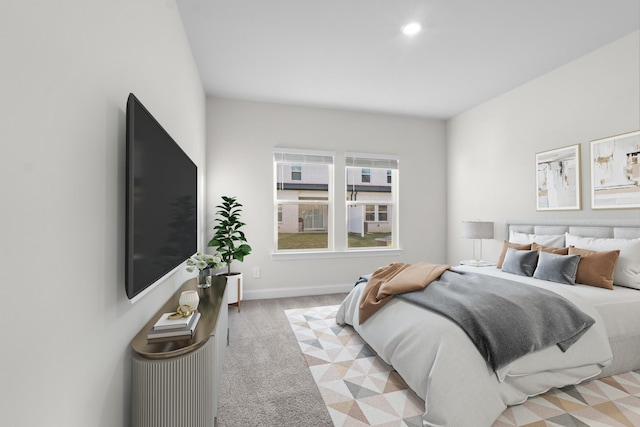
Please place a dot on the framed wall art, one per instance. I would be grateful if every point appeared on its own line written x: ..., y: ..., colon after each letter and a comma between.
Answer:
x: 558, y: 179
x: 615, y: 171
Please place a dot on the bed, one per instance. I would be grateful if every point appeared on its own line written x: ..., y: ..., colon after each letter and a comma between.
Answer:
x: 442, y: 366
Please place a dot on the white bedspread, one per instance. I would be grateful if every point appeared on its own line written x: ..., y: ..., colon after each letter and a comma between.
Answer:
x: 440, y: 363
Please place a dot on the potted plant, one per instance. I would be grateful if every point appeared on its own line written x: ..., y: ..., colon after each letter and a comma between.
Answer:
x: 230, y: 241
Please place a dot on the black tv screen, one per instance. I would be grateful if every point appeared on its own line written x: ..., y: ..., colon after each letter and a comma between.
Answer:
x: 162, y: 186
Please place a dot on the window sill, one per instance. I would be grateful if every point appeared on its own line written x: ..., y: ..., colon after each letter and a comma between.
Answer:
x: 353, y: 253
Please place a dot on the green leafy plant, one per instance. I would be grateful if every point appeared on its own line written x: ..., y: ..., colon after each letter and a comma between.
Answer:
x: 229, y: 239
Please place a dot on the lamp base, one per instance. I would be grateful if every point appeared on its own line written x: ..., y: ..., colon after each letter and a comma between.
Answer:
x: 477, y: 263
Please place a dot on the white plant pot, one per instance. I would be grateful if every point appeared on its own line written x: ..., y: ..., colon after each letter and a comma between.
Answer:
x: 234, y: 289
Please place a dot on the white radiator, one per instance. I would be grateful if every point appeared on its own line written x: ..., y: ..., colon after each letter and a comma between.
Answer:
x: 176, y: 392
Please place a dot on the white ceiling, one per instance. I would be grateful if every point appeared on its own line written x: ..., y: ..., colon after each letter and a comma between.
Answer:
x: 350, y: 54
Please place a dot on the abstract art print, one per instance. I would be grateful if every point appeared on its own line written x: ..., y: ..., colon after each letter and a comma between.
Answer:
x: 615, y: 172
x: 558, y: 179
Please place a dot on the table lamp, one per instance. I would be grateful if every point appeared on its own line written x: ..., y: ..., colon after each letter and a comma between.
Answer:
x: 477, y: 230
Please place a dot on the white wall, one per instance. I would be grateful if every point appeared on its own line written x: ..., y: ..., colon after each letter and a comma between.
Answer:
x: 67, y: 69
x: 240, y: 138
x: 491, y: 148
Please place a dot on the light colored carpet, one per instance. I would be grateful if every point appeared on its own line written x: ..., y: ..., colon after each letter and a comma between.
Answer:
x: 361, y: 390
x: 265, y: 380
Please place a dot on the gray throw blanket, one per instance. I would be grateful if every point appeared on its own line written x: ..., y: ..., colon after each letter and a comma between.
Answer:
x: 504, y: 319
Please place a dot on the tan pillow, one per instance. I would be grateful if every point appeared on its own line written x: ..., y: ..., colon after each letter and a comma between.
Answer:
x: 559, y: 251
x: 595, y: 268
x: 506, y: 245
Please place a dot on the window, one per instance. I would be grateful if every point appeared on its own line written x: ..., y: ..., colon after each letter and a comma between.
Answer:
x: 375, y: 213
x: 382, y: 213
x: 372, y: 201
x: 370, y: 213
x: 304, y: 209
x: 303, y: 200
x: 296, y: 172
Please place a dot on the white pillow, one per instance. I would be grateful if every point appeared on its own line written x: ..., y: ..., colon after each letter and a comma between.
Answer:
x: 627, y: 272
x: 552, y: 240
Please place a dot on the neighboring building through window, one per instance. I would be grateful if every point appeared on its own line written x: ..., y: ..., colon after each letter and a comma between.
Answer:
x: 371, y: 201
x: 304, y: 196
x: 303, y: 200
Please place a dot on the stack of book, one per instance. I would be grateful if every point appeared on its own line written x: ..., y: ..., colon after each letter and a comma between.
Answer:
x: 181, y: 328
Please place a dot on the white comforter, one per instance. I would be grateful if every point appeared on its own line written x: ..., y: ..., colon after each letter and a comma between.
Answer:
x: 440, y: 363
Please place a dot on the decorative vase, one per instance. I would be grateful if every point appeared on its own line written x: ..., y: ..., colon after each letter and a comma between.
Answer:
x: 190, y: 298
x: 204, y: 278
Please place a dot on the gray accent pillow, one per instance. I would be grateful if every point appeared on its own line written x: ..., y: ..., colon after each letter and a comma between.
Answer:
x: 518, y: 262
x: 557, y: 268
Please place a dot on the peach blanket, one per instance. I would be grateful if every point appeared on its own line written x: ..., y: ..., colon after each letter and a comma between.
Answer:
x: 396, y: 278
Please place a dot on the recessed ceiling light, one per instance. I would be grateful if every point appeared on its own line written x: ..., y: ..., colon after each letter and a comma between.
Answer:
x: 411, y: 29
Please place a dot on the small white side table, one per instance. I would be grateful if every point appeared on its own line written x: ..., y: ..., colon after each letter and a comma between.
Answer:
x: 474, y: 263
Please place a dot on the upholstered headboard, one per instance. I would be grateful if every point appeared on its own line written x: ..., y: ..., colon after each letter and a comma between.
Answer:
x: 619, y: 229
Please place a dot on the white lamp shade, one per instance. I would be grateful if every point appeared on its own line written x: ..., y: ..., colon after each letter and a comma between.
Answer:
x: 477, y: 230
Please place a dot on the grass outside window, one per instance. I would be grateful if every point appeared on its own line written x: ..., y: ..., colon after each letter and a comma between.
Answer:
x: 320, y: 240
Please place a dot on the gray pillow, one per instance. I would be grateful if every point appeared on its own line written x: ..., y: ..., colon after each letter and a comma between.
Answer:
x: 557, y: 268
x: 518, y: 262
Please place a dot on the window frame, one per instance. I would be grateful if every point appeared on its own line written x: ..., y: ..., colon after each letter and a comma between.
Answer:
x: 390, y: 164
x: 282, y: 156
x: 337, y: 236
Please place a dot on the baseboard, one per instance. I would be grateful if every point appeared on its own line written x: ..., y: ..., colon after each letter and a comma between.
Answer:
x: 298, y: 291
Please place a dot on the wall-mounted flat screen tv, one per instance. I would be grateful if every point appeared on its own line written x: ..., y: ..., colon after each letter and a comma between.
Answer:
x: 161, y: 201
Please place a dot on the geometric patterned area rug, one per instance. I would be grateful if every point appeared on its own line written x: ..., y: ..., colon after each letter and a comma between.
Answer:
x: 360, y: 390
x: 610, y: 401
